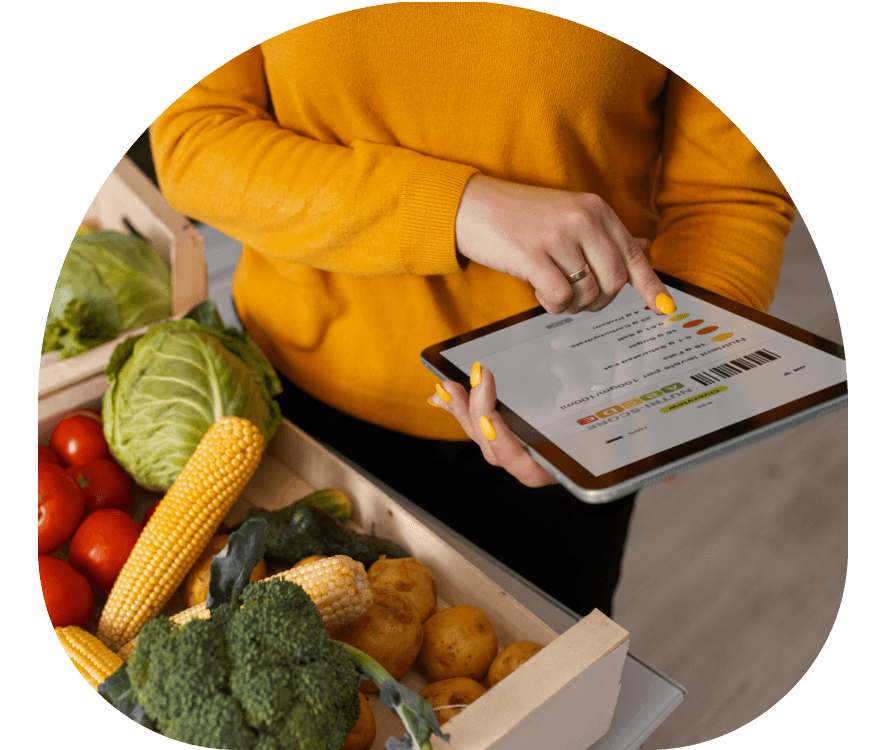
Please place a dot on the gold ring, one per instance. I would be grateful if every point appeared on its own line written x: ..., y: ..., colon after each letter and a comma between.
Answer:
x: 578, y: 275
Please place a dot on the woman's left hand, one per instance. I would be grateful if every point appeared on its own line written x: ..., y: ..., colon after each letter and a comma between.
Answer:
x: 475, y: 411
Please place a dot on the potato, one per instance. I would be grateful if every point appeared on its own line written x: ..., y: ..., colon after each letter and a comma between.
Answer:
x: 409, y: 577
x: 457, y: 691
x: 312, y: 558
x: 390, y: 632
x: 458, y: 642
x: 510, y: 658
x: 196, y: 585
x: 362, y: 735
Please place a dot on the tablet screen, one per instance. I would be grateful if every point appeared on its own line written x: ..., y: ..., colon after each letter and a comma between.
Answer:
x: 615, y: 387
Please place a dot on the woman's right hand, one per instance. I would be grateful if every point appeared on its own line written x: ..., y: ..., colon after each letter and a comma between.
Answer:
x: 543, y: 235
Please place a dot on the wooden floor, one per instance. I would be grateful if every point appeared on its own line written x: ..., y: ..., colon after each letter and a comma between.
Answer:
x: 734, y: 571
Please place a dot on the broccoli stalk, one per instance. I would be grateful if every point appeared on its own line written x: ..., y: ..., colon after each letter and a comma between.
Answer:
x: 415, y: 713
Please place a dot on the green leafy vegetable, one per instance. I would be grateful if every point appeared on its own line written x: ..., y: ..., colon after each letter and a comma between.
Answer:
x: 311, y: 531
x: 231, y: 568
x: 118, y: 691
x: 233, y: 565
x: 206, y: 313
x: 168, y: 386
x: 78, y: 329
x: 110, y: 282
x: 256, y: 676
x: 261, y: 672
x: 415, y: 712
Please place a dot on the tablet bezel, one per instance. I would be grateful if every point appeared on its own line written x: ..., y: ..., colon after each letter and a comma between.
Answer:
x: 605, y: 487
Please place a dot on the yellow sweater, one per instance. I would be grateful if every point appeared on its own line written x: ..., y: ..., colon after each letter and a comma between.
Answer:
x: 337, y: 153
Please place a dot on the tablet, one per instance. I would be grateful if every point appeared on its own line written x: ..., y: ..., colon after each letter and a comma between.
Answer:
x: 614, y: 400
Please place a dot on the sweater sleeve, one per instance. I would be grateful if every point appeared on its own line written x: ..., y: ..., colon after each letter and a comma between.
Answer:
x: 724, y: 215
x: 359, y: 208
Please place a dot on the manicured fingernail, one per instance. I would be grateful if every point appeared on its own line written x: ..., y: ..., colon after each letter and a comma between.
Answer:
x: 432, y: 402
x: 475, y: 375
x: 665, y: 304
x: 486, y: 426
x: 442, y: 394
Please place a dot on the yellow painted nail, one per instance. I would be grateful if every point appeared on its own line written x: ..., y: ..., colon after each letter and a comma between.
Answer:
x: 475, y: 375
x: 665, y: 304
x: 432, y: 402
x: 485, y: 425
x: 442, y: 394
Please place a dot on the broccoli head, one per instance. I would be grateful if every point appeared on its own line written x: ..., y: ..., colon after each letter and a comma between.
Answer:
x: 260, y: 676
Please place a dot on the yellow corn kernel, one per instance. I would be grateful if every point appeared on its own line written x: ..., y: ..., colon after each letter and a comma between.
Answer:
x: 95, y: 661
x: 337, y: 585
x: 180, y: 528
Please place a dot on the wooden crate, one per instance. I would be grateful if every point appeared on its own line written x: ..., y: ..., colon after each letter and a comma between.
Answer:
x: 563, y: 698
x: 127, y: 195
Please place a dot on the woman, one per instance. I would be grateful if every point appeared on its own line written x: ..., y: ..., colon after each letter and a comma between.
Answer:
x: 403, y: 173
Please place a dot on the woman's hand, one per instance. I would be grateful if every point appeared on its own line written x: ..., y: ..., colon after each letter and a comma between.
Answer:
x: 475, y: 411
x: 543, y: 236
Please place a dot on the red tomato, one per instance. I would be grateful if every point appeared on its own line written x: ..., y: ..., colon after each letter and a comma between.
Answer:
x: 149, y: 512
x: 79, y: 438
x: 60, y: 506
x: 67, y: 593
x: 45, y: 453
x: 104, y: 484
x: 101, y: 545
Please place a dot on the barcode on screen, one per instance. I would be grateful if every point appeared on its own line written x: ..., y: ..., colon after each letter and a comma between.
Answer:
x: 735, y: 367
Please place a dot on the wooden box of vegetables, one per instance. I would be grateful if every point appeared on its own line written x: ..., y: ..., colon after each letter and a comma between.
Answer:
x: 169, y: 275
x: 562, y: 697
x: 389, y: 633
x: 492, y: 674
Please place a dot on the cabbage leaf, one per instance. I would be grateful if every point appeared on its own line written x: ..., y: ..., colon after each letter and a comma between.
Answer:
x: 78, y: 330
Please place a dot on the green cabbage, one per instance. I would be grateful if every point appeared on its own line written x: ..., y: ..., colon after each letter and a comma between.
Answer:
x: 168, y: 386
x: 109, y: 283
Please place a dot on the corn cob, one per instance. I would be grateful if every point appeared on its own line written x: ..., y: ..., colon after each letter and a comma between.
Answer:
x: 181, y: 527
x: 338, y: 586
x: 95, y: 661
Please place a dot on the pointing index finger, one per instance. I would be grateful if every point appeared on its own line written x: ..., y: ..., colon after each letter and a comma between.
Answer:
x: 644, y: 279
